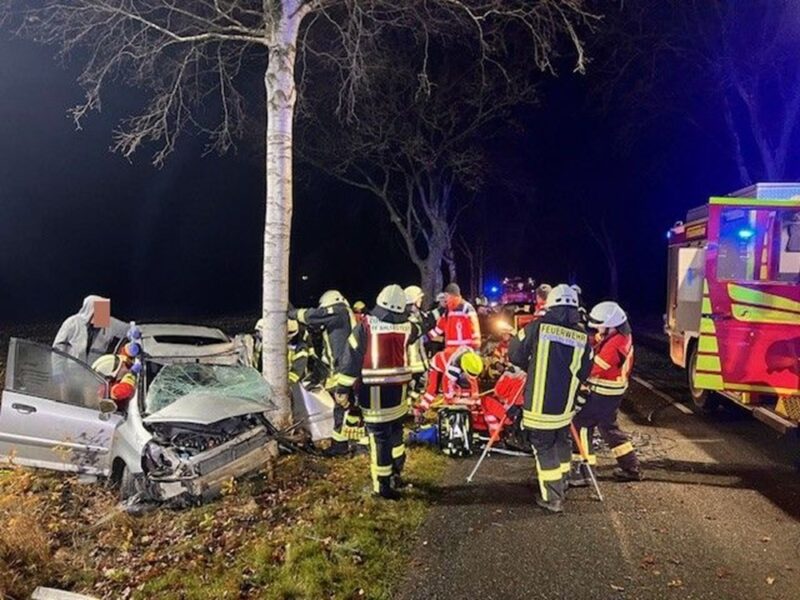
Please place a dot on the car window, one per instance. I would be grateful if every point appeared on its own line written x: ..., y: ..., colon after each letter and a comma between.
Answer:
x: 223, y: 381
x: 42, y: 372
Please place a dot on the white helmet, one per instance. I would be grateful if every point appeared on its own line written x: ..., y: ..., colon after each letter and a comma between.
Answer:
x: 331, y: 297
x: 393, y: 299
x: 260, y: 325
x: 607, y: 314
x: 562, y: 295
x: 414, y: 294
x: 107, y: 365
x: 292, y: 327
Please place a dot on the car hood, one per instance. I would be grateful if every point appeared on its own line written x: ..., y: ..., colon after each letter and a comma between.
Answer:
x: 205, y: 409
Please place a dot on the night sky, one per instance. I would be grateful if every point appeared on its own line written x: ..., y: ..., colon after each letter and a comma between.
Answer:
x: 186, y: 240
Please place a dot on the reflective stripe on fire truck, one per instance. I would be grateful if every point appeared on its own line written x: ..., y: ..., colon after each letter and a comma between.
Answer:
x: 740, y: 293
x: 708, y: 375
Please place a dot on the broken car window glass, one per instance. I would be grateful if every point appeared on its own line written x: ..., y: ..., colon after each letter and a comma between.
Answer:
x: 180, y: 380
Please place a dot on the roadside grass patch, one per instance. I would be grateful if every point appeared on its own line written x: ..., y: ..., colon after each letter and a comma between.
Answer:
x: 307, y: 529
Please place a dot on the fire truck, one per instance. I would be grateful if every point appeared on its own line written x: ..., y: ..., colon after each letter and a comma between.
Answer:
x: 733, y: 302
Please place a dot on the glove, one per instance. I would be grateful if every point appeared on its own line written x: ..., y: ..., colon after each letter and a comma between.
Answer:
x: 514, y: 413
x: 580, y: 402
x: 136, y: 367
x: 342, y: 399
x: 353, y: 426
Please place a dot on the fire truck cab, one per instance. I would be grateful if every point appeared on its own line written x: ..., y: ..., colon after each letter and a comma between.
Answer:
x: 733, y: 301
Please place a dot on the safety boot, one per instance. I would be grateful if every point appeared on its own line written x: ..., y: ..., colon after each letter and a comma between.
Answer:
x: 552, y: 507
x: 387, y: 492
x: 337, y: 449
x: 628, y: 474
x: 578, y: 477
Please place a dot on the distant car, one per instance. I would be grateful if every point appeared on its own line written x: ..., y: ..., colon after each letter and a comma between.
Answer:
x: 197, y: 419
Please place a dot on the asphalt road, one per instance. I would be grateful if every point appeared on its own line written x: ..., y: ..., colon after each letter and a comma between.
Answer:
x: 717, y: 517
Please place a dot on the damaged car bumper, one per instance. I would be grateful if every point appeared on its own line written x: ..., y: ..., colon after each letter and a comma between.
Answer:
x: 200, y: 477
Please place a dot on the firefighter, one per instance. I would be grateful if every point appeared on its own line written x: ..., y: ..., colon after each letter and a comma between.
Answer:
x: 454, y: 375
x: 607, y: 383
x: 557, y: 354
x: 542, y: 293
x: 299, y: 352
x: 459, y: 325
x: 377, y: 357
x: 336, y: 321
x: 417, y: 355
x: 121, y: 370
x: 359, y: 310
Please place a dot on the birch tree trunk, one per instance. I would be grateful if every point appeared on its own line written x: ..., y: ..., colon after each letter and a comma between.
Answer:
x: 281, y: 94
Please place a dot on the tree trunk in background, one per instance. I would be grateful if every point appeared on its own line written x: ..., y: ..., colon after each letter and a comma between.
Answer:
x: 280, y: 95
x: 430, y: 271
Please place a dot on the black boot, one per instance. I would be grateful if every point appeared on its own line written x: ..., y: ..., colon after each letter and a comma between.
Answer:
x: 337, y: 449
x: 578, y: 477
x: 628, y: 474
x: 552, y: 507
x: 387, y: 492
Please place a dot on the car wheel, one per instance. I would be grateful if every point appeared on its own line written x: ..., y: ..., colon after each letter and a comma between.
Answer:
x: 705, y: 401
x: 129, y: 484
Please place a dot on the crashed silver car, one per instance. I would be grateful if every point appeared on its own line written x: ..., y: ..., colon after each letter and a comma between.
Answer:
x: 197, y: 419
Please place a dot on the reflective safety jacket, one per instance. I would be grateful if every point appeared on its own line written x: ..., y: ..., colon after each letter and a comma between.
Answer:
x: 613, y: 361
x: 377, y: 354
x: 447, y: 376
x: 417, y: 355
x: 557, y: 355
x: 298, y: 354
x: 336, y: 323
x: 460, y: 327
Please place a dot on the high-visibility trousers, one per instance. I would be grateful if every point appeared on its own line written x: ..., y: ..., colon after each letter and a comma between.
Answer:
x: 602, y: 412
x: 553, y: 453
x: 384, y: 409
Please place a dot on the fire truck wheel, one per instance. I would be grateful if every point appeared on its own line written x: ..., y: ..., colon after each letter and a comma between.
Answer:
x: 704, y: 401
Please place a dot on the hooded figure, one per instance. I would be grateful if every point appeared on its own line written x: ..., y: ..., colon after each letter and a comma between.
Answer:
x: 90, y: 333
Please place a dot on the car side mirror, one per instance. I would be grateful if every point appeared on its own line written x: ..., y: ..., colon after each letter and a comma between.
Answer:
x: 107, y: 406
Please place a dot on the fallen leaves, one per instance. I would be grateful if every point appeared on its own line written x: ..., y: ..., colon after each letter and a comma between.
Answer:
x: 770, y: 580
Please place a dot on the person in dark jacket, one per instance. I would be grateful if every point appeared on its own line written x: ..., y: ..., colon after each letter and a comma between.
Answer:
x: 335, y: 320
x: 557, y: 354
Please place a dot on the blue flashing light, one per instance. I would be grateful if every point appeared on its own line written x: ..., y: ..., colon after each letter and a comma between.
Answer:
x: 669, y: 235
x: 746, y: 234
x: 494, y: 289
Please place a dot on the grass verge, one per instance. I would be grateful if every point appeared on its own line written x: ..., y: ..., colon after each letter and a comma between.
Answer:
x: 308, y: 530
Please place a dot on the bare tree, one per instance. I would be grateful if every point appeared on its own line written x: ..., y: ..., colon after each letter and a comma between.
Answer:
x: 682, y: 56
x: 417, y: 142
x: 192, y: 55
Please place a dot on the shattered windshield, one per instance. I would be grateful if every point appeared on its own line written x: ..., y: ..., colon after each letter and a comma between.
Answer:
x: 223, y: 381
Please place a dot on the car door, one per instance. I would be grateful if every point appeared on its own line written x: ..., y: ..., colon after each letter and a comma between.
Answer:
x: 49, y: 412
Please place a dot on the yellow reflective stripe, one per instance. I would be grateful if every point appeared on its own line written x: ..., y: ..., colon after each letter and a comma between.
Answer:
x: 373, y: 462
x: 538, y: 422
x: 542, y: 486
x: 705, y: 286
x: 398, y: 451
x: 708, y: 344
x: 707, y: 381
x: 777, y: 203
x: 750, y: 296
x: 708, y: 363
x: 549, y: 474
x: 384, y: 415
x: 301, y: 315
x: 622, y: 449
x: 577, y: 353
x: 521, y: 335
x: 565, y: 467
x: 293, y: 377
x: 351, y: 339
x: 345, y: 380
x: 599, y: 361
x: 706, y: 308
x: 752, y: 314
x: 707, y: 326
x: 540, y: 377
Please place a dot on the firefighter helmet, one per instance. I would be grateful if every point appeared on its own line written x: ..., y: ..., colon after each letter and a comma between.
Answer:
x: 260, y: 325
x: 330, y: 298
x: 292, y: 327
x: 393, y: 299
x: 471, y: 363
x: 607, y: 314
x: 359, y: 306
x: 562, y: 295
x: 108, y: 365
x: 414, y: 294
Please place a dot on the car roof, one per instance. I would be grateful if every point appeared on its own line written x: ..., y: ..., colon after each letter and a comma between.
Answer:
x: 176, y: 341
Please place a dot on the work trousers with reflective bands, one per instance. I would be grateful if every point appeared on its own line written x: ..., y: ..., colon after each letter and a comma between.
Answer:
x: 553, y: 452
x: 384, y: 409
x: 601, y: 412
